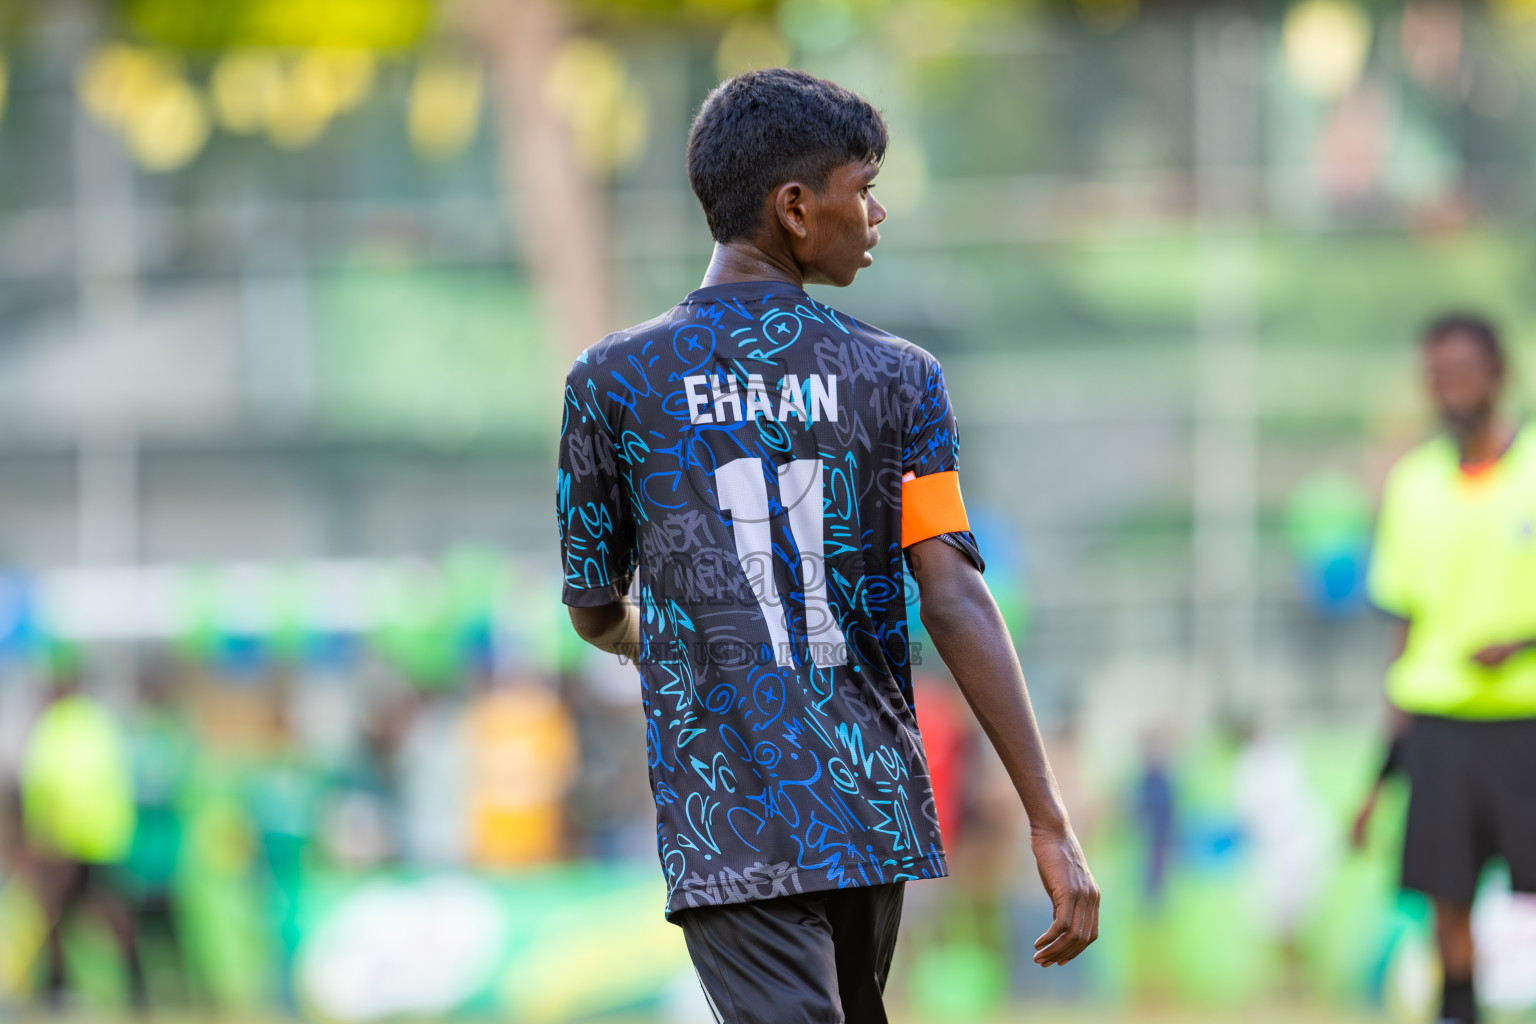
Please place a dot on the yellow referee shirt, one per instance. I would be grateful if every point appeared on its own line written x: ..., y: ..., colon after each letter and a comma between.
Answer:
x: 76, y: 792
x: 1456, y: 555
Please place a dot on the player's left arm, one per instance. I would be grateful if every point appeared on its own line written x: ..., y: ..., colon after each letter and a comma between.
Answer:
x: 968, y: 629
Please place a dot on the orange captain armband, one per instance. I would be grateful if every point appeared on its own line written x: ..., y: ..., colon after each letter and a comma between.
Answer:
x: 931, y: 505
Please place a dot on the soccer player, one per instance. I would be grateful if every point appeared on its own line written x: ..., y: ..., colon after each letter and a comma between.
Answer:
x: 762, y: 463
x: 1455, y: 561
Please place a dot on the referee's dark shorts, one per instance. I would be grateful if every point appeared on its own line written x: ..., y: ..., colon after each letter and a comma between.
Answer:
x: 1472, y: 799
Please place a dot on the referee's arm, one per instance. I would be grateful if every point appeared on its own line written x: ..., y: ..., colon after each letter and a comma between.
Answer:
x: 1393, y: 759
x: 1495, y: 655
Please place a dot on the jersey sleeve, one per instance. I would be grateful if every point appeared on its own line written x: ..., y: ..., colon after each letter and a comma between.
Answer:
x: 931, y: 504
x: 1390, y: 581
x: 597, y: 534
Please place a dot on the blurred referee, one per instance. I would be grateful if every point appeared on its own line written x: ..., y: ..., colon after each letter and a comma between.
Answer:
x: 1455, y: 561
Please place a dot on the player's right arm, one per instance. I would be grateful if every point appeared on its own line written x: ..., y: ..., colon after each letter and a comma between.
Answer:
x: 597, y: 546
x: 614, y: 628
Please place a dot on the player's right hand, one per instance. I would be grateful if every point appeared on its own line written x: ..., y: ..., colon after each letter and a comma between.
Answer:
x: 1073, y: 892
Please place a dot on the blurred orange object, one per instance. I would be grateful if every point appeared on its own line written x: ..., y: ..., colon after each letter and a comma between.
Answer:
x: 523, y: 757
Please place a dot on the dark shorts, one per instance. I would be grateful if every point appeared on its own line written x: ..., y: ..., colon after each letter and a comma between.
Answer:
x: 816, y: 958
x: 1472, y: 799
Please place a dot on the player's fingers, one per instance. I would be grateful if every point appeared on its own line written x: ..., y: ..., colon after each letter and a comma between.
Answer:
x: 1054, y: 953
x: 1090, y: 933
x: 1059, y: 936
x: 1059, y: 925
x: 1075, y: 940
x: 1082, y: 931
x: 1051, y: 937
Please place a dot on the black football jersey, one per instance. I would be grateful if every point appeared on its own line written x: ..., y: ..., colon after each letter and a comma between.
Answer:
x: 739, y: 463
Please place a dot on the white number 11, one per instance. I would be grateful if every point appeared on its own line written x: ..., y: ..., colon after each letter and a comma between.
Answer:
x: 743, y: 492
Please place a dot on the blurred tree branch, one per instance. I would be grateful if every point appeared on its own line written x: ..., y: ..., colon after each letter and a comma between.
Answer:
x: 560, y: 207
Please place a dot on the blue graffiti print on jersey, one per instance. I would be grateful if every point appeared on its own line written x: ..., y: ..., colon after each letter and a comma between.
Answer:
x: 739, y: 463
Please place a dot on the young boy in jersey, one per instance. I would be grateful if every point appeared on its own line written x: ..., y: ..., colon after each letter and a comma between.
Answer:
x: 1455, y: 563
x: 760, y: 465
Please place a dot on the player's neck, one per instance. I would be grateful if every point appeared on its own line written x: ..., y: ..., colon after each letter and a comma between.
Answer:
x: 1487, y: 442
x: 736, y: 262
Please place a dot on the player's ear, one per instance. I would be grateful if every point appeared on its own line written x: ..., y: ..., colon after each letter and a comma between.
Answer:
x: 791, y: 205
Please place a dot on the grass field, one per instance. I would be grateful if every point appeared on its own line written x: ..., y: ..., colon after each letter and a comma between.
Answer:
x: 1045, y: 1014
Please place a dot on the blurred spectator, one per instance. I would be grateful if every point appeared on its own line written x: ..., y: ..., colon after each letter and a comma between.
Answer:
x: 523, y: 757
x: 161, y: 750
x: 78, y: 813
x: 282, y: 794
x: 433, y: 774
x: 942, y: 718
x: 1155, y: 805
x: 17, y: 951
x: 360, y: 823
x: 610, y: 804
x: 1290, y: 833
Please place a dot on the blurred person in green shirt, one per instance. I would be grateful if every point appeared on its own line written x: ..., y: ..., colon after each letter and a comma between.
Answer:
x: 162, y: 749
x: 1455, y: 563
x: 78, y: 817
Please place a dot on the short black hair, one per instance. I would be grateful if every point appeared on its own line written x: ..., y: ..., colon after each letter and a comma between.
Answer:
x: 1479, y: 329
x: 762, y: 128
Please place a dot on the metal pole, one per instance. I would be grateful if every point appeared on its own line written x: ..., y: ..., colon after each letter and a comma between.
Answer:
x: 107, y: 502
x: 1227, y: 62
